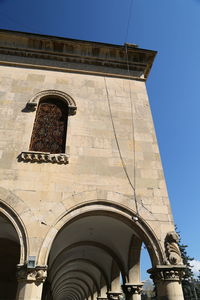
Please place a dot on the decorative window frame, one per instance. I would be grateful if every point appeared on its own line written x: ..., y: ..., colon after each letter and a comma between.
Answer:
x: 33, y: 102
x: 31, y: 106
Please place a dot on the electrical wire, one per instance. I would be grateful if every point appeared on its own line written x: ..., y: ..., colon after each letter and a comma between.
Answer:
x: 132, y: 121
x: 133, y: 138
x: 118, y: 146
x: 133, y: 127
x: 129, y: 19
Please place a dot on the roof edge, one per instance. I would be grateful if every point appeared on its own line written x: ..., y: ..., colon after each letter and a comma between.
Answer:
x: 127, y: 60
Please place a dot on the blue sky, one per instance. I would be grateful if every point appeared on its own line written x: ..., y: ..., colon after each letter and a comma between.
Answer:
x: 173, y: 29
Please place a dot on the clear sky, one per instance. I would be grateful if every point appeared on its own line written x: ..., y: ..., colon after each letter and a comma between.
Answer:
x: 172, y: 27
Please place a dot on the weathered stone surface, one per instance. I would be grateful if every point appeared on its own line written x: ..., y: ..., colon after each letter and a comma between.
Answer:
x: 94, y: 155
x: 113, y: 154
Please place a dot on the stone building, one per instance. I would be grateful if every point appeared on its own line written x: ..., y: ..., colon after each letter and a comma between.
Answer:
x: 81, y: 181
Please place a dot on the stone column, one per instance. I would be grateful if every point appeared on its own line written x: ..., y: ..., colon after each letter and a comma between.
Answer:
x: 167, y: 279
x: 30, y: 282
x: 132, y: 291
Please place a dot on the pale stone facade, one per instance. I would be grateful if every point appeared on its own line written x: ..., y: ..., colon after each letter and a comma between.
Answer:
x: 83, y: 214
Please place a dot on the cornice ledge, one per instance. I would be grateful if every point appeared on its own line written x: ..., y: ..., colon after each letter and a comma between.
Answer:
x: 54, y: 52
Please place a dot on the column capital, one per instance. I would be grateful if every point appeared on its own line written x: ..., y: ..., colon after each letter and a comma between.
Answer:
x: 37, y: 274
x: 130, y: 289
x: 114, y: 295
x: 167, y: 273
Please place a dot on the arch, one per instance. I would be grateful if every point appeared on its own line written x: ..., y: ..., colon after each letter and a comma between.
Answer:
x: 90, y: 262
x: 125, y: 214
x: 82, y: 281
x: 102, y: 247
x: 71, y: 296
x: 72, y: 290
x: 85, y: 274
x: 5, y: 198
x: 63, y: 285
x: 56, y: 277
x: 67, y: 99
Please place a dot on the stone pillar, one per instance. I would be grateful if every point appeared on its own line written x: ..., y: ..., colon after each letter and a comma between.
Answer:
x: 167, y: 279
x: 104, y: 288
x: 30, y: 282
x: 132, y: 291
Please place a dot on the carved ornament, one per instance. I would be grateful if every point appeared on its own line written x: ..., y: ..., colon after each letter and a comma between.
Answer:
x: 132, y: 289
x: 172, y: 249
x: 43, y: 157
x: 114, y: 295
x: 37, y: 274
x: 167, y: 273
x: 33, y: 102
x: 74, y: 55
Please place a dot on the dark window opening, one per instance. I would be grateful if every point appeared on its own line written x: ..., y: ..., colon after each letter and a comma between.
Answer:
x: 50, y: 127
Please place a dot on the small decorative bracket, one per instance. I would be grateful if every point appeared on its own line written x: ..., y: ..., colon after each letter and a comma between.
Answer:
x: 43, y: 157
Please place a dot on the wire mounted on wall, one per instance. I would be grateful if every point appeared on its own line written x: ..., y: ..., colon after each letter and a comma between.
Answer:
x: 118, y: 147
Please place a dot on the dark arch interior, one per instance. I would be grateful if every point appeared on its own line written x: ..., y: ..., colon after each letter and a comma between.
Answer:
x: 90, y: 256
x: 9, y: 258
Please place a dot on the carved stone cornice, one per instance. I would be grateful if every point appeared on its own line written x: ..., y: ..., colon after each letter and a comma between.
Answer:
x: 37, y: 274
x: 113, y: 295
x: 43, y: 157
x: 130, y: 289
x: 48, y: 52
x: 167, y: 273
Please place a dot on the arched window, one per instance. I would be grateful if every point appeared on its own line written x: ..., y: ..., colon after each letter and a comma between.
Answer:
x: 50, y: 127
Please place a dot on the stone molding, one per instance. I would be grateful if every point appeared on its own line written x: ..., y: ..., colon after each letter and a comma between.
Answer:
x: 33, y: 102
x: 130, y: 289
x: 37, y: 274
x: 114, y: 295
x: 51, y: 52
x: 43, y: 157
x: 172, y: 250
x: 167, y: 273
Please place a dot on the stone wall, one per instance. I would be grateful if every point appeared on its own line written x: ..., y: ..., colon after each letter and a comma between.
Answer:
x: 102, y: 157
